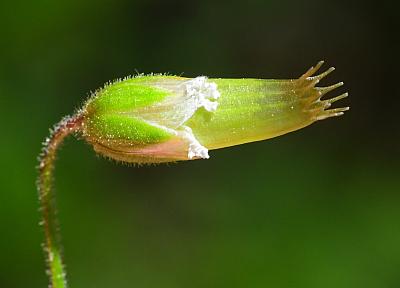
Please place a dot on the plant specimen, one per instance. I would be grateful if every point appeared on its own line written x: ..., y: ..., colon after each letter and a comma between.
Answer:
x: 160, y: 118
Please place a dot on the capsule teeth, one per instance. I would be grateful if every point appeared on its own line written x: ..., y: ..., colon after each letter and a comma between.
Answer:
x: 337, y: 98
x: 338, y: 110
x: 312, y: 70
x: 332, y: 113
x: 322, y: 75
x: 324, y: 90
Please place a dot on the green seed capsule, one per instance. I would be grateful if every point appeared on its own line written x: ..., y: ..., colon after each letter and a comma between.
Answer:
x: 157, y: 118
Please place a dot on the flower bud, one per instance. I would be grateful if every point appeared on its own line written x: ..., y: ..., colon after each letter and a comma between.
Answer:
x: 160, y: 118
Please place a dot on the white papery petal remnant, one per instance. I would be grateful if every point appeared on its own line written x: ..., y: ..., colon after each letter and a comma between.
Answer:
x: 172, y: 113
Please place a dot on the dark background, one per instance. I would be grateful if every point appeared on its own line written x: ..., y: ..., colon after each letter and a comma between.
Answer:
x: 311, y: 209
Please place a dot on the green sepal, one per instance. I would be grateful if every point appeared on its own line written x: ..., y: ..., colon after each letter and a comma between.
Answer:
x: 127, y: 94
x: 126, y: 128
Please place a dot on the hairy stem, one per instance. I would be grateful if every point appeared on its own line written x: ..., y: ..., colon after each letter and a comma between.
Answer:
x: 52, y: 245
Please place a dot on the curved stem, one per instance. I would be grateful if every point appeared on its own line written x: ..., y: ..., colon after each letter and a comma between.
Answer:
x: 52, y: 246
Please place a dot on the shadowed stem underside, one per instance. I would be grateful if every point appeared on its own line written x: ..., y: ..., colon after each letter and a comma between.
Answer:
x: 52, y: 245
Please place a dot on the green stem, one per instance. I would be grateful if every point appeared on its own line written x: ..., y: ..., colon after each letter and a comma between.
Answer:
x: 52, y: 245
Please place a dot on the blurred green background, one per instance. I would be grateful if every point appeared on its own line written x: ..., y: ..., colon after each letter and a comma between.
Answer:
x: 311, y: 209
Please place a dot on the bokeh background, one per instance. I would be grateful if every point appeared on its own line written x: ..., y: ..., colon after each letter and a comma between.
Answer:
x: 316, y: 208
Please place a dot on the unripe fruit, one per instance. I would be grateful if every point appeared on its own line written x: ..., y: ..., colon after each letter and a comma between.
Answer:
x: 160, y: 118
